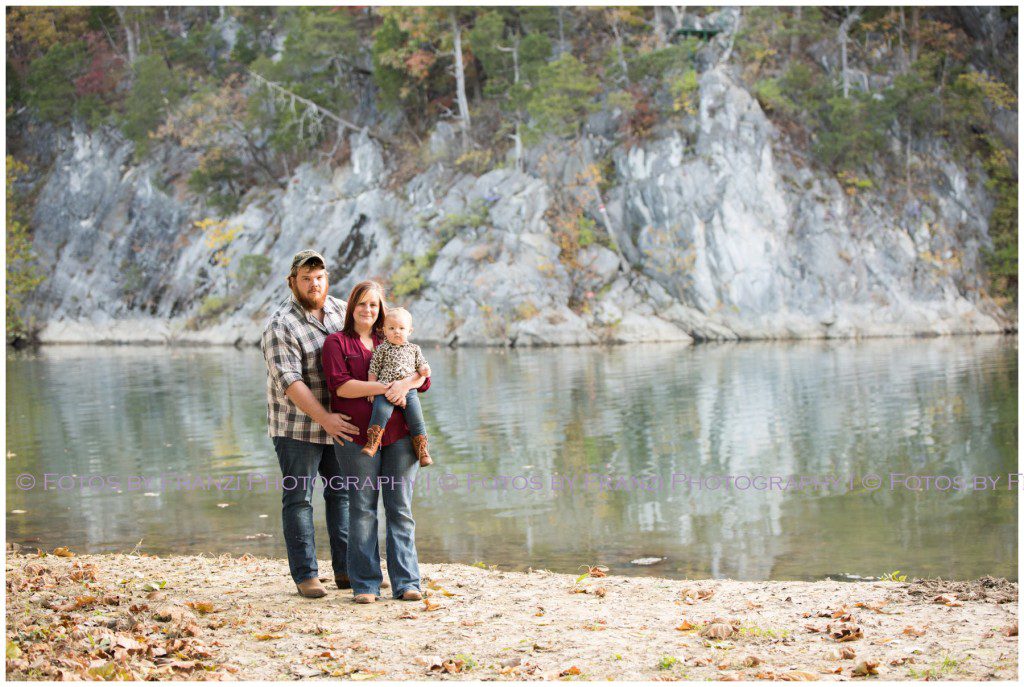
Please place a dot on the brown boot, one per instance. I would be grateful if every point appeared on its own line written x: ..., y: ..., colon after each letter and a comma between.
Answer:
x: 373, y: 436
x: 311, y: 588
x: 419, y: 444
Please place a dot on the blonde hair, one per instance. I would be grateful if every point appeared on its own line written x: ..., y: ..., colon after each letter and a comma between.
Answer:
x: 398, y: 312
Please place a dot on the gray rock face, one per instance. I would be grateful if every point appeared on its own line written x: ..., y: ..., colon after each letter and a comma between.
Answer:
x: 716, y: 231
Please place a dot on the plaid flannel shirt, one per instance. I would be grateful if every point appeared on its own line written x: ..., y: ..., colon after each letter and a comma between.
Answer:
x: 292, y: 343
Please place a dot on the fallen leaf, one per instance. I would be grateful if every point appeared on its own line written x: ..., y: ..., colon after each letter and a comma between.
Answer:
x: 731, y: 677
x: 429, y: 605
x: 431, y: 662
x: 452, y: 666
x: 947, y: 600
x: 876, y: 607
x: 798, y: 676
x: 847, y: 634
x: 685, y: 626
x: 360, y: 675
x: 267, y: 636
x: 63, y: 552
x: 718, y: 629
x: 201, y: 607
x: 438, y: 588
x: 865, y: 668
x: 600, y: 591
x: 569, y: 671
x: 1010, y: 630
x: 910, y: 630
x: 301, y: 670
x: 751, y: 661
x: 408, y: 615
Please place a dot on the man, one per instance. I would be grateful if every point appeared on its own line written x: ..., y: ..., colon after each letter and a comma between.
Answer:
x: 300, y: 423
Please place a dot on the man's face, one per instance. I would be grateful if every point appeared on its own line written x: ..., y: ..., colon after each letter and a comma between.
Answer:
x: 310, y: 287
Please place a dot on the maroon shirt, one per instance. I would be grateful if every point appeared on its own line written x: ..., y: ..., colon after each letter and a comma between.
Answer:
x: 346, y: 358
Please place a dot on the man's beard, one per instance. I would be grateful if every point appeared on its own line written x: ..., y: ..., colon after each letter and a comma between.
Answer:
x: 315, y: 302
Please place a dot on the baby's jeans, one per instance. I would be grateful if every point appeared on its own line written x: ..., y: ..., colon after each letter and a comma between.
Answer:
x: 383, y: 408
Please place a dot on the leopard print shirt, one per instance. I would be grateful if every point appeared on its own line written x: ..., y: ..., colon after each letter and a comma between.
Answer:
x: 391, y: 363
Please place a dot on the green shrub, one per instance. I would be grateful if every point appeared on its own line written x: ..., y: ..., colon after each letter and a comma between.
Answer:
x: 563, y: 97
x: 854, y: 131
x: 656, y: 64
x: 23, y: 274
x: 155, y: 89
x: 222, y: 178
x: 478, y: 215
x: 410, y: 276
x: 769, y: 94
x: 685, y: 91
x: 49, y: 86
x: 253, y: 270
x: 210, y: 309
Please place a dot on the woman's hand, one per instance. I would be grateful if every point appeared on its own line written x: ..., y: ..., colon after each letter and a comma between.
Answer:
x: 396, y: 392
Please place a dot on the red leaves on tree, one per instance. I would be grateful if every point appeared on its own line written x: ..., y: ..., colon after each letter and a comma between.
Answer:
x: 104, y: 70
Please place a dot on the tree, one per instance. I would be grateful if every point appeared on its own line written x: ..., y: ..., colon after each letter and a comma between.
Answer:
x: 50, y: 87
x: 510, y: 63
x: 155, y: 89
x: 22, y: 274
x: 563, y: 96
x: 844, y: 36
x: 426, y: 38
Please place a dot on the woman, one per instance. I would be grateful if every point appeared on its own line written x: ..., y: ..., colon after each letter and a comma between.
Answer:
x: 346, y: 359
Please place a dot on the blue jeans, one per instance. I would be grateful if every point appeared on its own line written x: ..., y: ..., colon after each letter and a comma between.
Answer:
x: 390, y: 475
x: 383, y: 408
x: 302, y: 461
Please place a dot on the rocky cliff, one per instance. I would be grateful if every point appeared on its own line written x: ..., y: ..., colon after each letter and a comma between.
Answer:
x: 715, y: 228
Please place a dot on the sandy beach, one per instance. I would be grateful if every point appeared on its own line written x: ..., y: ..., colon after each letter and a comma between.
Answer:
x: 122, y: 616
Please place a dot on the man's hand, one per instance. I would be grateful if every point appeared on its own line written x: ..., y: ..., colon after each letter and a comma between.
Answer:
x: 396, y: 392
x: 339, y: 427
x: 424, y: 370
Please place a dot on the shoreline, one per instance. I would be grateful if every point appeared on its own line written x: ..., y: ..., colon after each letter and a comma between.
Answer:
x: 110, y: 616
x: 242, y: 345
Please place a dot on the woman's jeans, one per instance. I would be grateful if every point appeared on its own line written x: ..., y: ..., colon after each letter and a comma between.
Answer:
x: 391, y: 474
x: 301, y: 462
x: 383, y: 408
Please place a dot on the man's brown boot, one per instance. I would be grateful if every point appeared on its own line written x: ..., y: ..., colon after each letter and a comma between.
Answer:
x: 311, y: 588
x: 373, y: 436
x: 419, y: 444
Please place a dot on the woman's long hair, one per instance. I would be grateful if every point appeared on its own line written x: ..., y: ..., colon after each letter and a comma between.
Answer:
x: 358, y: 291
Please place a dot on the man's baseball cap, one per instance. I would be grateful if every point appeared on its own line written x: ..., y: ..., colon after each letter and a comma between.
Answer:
x: 305, y: 257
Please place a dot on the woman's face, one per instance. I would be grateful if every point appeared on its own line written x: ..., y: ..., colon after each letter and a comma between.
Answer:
x: 367, y: 309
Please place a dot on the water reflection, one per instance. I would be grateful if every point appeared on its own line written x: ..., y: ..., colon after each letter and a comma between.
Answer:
x: 935, y: 406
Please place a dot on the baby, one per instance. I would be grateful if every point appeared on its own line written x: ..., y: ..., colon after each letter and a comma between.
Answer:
x: 392, y: 360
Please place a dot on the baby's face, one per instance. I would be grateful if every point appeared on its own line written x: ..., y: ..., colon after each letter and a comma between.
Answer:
x: 397, y: 329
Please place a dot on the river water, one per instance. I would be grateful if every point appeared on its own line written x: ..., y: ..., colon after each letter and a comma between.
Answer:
x: 556, y: 458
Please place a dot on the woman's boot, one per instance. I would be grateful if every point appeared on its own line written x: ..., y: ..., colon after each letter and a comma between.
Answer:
x: 373, y: 435
x: 419, y: 444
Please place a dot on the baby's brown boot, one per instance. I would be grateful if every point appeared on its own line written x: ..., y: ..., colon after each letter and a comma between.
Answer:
x: 419, y: 444
x: 373, y: 436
